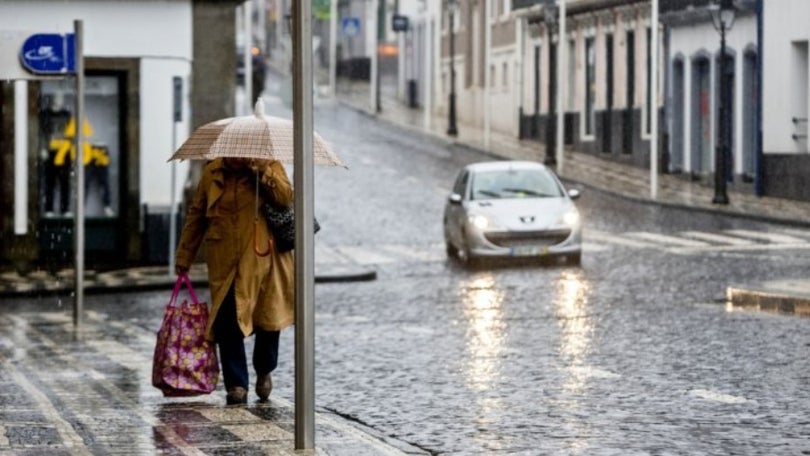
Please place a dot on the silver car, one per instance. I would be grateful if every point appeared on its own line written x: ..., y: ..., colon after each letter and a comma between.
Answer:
x: 511, y: 209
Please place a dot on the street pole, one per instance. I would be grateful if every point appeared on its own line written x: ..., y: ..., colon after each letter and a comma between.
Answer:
x: 177, y: 116
x: 561, y: 85
x: 333, y: 25
x: 551, y: 117
x: 380, y: 37
x: 720, y: 195
x: 428, y: 66
x: 374, y: 80
x: 451, y: 112
x: 248, y: 36
x: 78, y: 165
x: 654, y: 101
x: 521, y: 26
x: 487, y: 73
x: 304, y: 210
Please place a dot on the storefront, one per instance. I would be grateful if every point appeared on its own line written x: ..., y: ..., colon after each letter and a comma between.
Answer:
x: 107, y: 155
x: 135, y: 51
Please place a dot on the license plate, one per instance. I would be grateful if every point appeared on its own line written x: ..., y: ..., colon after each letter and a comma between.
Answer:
x: 529, y: 251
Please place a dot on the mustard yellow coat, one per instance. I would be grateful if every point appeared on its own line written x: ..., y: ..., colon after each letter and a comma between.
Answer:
x: 221, y: 216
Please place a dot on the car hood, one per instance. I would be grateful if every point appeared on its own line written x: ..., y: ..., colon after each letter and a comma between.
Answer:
x: 523, y: 214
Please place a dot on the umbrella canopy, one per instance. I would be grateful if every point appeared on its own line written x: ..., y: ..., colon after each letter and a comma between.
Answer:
x: 257, y: 136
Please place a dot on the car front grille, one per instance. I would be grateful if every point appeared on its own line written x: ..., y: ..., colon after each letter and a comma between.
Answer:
x: 527, y: 238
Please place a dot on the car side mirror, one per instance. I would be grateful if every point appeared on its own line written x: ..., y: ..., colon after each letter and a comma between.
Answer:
x: 454, y: 198
x: 574, y: 193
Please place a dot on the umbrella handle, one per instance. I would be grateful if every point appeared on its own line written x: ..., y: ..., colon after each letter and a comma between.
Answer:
x: 256, y: 246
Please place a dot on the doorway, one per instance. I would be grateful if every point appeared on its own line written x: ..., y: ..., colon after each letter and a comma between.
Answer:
x: 750, y: 108
x: 701, y: 118
x: 676, y: 161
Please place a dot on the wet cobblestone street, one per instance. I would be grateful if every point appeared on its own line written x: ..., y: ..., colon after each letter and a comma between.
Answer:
x: 633, y: 353
x: 89, y: 392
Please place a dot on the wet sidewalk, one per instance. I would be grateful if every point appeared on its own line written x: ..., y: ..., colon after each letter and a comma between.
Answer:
x: 69, y: 391
x: 615, y: 178
x: 42, y: 282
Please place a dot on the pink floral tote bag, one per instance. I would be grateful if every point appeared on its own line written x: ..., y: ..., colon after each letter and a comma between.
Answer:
x: 184, y: 363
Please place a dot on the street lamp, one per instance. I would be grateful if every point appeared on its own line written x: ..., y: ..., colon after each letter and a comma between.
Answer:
x: 451, y: 113
x: 550, y: 14
x: 722, y: 19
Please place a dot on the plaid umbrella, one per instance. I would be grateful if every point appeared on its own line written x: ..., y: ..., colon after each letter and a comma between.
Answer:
x: 257, y: 136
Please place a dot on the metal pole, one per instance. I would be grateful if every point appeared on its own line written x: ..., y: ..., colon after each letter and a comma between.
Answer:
x: 551, y: 127
x: 758, y: 190
x: 304, y: 249
x: 374, y: 55
x: 487, y: 70
x: 177, y: 97
x: 561, y: 86
x: 720, y: 196
x: 248, y: 36
x: 78, y: 165
x: 521, y: 25
x: 654, y: 101
x: 333, y: 25
x: 380, y: 23
x: 428, y: 72
x: 451, y: 113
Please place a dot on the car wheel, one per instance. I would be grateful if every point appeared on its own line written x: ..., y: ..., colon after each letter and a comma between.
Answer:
x: 466, y: 258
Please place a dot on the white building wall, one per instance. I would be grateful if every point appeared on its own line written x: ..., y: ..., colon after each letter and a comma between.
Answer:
x: 784, y: 23
x: 703, y: 38
x: 157, y: 31
x: 156, y: 129
x: 503, y: 108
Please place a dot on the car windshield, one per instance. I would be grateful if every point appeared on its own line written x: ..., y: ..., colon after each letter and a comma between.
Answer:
x: 514, y: 183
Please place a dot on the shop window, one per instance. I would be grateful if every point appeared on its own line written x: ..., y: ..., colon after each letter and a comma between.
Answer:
x: 101, y: 147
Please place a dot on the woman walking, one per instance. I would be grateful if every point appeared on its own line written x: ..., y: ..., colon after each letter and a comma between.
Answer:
x: 251, y: 283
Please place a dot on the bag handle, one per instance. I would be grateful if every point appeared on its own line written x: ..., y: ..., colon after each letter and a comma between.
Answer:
x: 182, y: 279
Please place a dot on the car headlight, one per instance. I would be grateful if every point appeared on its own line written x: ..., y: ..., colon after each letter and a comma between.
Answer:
x: 479, y: 221
x: 571, y: 218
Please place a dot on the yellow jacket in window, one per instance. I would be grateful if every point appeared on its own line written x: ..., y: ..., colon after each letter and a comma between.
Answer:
x: 221, y: 217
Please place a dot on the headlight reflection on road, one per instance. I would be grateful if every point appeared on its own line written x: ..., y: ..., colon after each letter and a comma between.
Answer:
x: 573, y: 314
x: 482, y: 301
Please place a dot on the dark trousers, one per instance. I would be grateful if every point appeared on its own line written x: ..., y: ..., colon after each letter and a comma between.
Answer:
x: 231, y: 343
x: 57, y: 175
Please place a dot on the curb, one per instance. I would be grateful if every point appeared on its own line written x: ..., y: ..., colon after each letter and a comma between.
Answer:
x: 768, y: 300
x: 347, y: 276
x: 133, y: 280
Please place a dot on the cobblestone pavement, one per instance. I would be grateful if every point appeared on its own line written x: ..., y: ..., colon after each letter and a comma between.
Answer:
x: 88, y: 391
x: 616, y: 178
x: 609, y: 359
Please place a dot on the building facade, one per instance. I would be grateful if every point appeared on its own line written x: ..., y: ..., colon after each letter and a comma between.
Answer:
x: 608, y: 98
x: 484, y: 58
x: 785, y: 98
x: 694, y: 90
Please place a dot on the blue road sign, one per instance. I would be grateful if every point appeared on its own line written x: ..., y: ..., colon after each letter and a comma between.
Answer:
x: 350, y: 26
x: 49, y: 53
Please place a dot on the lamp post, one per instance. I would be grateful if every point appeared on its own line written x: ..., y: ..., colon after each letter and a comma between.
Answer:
x: 723, y: 19
x: 550, y: 18
x: 451, y: 112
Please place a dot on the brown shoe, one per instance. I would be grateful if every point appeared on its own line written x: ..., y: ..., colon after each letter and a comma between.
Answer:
x: 236, y: 396
x: 264, y: 385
